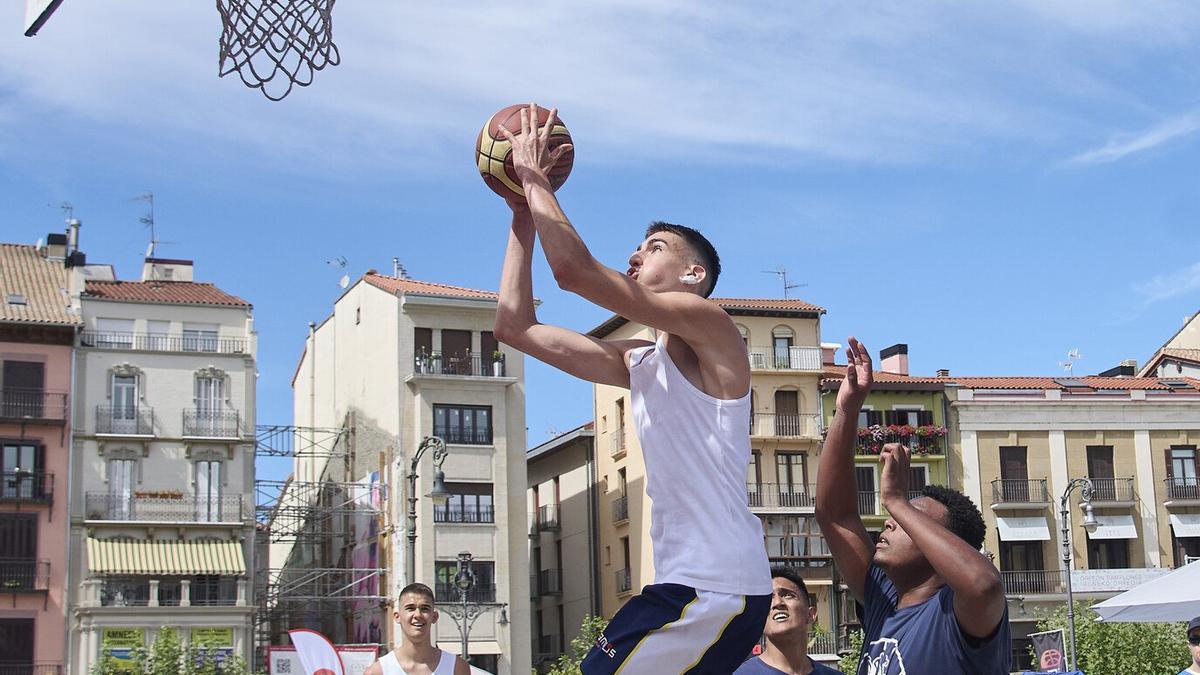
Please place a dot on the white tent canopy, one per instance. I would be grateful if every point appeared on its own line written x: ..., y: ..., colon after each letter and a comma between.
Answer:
x: 1171, y: 597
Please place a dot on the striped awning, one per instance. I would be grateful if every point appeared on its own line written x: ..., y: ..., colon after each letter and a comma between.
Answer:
x: 107, y: 556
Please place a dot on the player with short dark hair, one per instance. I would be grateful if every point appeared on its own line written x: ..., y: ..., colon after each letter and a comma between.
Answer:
x: 415, y: 615
x: 786, y: 631
x: 690, y: 396
x: 932, y: 602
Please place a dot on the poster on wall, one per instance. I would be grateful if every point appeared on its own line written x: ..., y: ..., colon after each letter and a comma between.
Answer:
x: 119, y: 644
x: 367, y: 615
x: 218, y: 640
x: 284, y: 661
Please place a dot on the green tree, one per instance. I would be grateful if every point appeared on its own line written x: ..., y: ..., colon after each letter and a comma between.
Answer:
x: 568, y: 664
x: 849, y: 662
x: 1121, y: 648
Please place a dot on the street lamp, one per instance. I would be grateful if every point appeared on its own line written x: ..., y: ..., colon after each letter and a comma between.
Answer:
x: 465, y: 613
x: 1090, y: 524
x: 439, y: 495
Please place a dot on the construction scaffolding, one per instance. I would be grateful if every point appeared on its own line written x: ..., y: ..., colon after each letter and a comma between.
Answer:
x: 319, y: 558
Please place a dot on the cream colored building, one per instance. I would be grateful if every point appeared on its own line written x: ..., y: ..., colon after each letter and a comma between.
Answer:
x: 783, y: 341
x: 162, y: 470
x: 564, y: 575
x: 1022, y: 440
x: 1180, y: 355
x: 397, y: 361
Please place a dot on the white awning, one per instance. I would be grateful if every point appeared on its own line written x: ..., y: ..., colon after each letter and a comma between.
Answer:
x: 1186, y: 524
x: 1115, y: 527
x: 1023, y: 528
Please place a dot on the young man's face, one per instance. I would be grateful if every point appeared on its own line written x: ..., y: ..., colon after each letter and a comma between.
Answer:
x: 415, y: 616
x: 790, y: 614
x: 661, y: 260
x: 895, y: 550
x: 1194, y: 645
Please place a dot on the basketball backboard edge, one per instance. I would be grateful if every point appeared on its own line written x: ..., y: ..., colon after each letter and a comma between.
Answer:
x: 37, y: 13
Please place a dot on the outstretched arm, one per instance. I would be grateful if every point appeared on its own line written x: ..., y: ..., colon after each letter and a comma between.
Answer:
x: 517, y: 325
x: 575, y: 269
x: 837, y: 502
x: 978, y: 591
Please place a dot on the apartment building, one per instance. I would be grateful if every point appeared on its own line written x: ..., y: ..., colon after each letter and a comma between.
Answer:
x: 162, y: 471
x: 37, y: 330
x: 564, y: 570
x: 1179, y: 356
x: 1022, y: 440
x: 783, y: 343
x: 397, y: 361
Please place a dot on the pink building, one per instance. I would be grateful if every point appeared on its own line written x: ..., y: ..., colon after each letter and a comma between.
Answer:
x: 37, y: 331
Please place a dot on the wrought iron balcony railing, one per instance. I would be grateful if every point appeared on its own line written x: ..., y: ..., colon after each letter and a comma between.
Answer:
x: 550, y: 582
x: 1034, y: 581
x: 18, y: 575
x: 154, y: 342
x: 26, y: 486
x: 870, y: 503
x: 461, y: 436
x: 547, y: 518
x: 923, y: 440
x: 211, y: 423
x: 20, y: 404
x: 781, y: 495
x: 138, y: 591
x: 137, y: 420
x: 796, y: 546
x: 620, y: 509
x: 163, y: 506
x: 1182, y: 487
x: 618, y: 441
x: 549, y: 646
x: 785, y: 426
x: 624, y: 581
x: 1113, y: 490
x: 474, y: 365
x: 448, y: 592
x: 458, y: 514
x: 1020, y: 490
x: 789, y: 358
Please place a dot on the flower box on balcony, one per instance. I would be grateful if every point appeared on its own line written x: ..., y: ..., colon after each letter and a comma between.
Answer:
x: 158, y: 494
x: 923, y: 440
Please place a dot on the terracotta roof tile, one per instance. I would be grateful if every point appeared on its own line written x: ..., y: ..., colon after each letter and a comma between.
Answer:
x: 173, y: 292
x: 398, y: 285
x: 768, y: 304
x: 835, y: 373
x: 42, y: 283
x: 1185, y: 354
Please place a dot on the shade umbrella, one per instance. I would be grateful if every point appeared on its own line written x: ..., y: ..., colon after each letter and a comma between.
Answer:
x: 1171, y: 597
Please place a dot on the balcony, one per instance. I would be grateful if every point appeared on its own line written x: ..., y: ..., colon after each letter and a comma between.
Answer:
x: 804, y: 359
x: 36, y: 668
x: 1019, y: 493
x: 1113, y: 492
x: 922, y: 440
x: 550, y: 582
x: 212, y: 423
x: 822, y: 643
x: 620, y: 509
x: 24, y: 575
x: 125, y: 420
x: 206, y: 343
x: 19, y: 404
x: 624, y: 581
x: 36, y: 487
x: 448, y: 592
x: 461, y: 365
x: 547, y: 518
x: 548, y: 646
x: 618, y: 442
x: 870, y: 503
x: 163, y: 506
x: 461, y: 436
x: 457, y: 514
x: 1034, y: 581
x: 796, y: 546
x: 781, y: 496
x: 785, y: 426
x: 203, y: 591
x: 1181, y: 491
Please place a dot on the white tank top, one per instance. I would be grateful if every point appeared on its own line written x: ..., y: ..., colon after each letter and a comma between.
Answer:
x: 696, y: 448
x: 391, y: 665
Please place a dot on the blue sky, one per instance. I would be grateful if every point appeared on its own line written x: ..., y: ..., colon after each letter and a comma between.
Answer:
x: 992, y: 184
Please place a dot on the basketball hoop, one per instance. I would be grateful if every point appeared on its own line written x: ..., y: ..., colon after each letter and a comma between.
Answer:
x: 274, y: 45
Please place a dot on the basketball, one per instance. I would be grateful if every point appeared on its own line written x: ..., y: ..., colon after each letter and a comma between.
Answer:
x: 493, y: 152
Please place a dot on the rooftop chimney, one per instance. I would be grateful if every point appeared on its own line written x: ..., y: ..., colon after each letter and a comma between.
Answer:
x: 1128, y: 368
x: 943, y: 372
x: 829, y: 352
x: 1132, y: 363
x: 166, y: 269
x: 894, y: 359
x: 73, y: 235
x: 56, y: 246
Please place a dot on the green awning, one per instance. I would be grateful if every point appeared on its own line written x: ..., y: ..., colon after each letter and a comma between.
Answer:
x: 177, y: 558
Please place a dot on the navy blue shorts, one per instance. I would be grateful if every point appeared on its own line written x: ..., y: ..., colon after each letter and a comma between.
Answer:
x: 670, y: 628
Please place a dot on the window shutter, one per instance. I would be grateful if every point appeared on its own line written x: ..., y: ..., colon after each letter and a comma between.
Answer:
x: 1170, y: 464
x: 874, y: 417
x: 925, y: 418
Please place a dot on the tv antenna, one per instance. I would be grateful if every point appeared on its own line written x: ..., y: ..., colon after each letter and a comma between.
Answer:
x: 338, y: 262
x: 781, y: 272
x: 67, y: 208
x: 1068, y: 366
x: 148, y: 221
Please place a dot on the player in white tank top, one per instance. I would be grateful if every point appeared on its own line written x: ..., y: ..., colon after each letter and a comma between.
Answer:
x: 690, y: 393
x: 415, y: 616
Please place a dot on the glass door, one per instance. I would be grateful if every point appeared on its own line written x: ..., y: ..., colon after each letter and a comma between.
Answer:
x: 120, y: 488
x: 124, y: 412
x: 208, y: 491
x: 210, y: 400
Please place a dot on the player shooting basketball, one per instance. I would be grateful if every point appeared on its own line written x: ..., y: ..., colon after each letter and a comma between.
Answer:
x: 690, y: 393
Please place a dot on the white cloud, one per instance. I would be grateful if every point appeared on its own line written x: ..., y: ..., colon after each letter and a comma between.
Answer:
x: 1170, y: 285
x: 1176, y: 129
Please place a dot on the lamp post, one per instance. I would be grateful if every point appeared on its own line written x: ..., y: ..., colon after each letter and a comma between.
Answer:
x: 438, y: 494
x: 465, y: 613
x: 1089, y: 523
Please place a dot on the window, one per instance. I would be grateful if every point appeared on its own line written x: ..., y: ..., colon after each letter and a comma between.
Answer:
x: 456, y: 352
x: 1108, y: 554
x: 210, y: 419
x: 157, y: 337
x: 790, y: 471
x: 1014, y: 473
x: 16, y: 644
x: 754, y: 470
x: 622, y: 485
x: 1183, y: 465
x: 1100, y: 470
x: 869, y: 418
x: 915, y: 417
x: 210, y: 590
x: 466, y: 425
x: 918, y: 478
x: 793, y: 537
x: 200, y: 337
x: 745, y: 333
x: 23, y: 389
x: 484, y: 589
x: 1021, y: 556
x: 1185, y: 549
x: 121, y: 478
x: 782, y: 344
x: 787, y: 413
x: 468, y: 503
x: 124, y: 410
x: 208, y: 491
x: 21, y: 471
x: 18, y: 550
x: 864, y: 477
x: 114, y: 333
x: 422, y: 342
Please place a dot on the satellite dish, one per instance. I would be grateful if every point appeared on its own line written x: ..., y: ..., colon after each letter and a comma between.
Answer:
x: 344, y: 281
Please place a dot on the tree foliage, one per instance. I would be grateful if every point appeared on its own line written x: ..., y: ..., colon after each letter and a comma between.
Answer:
x: 1121, y: 648
x: 167, y: 656
x: 568, y: 664
x: 849, y: 662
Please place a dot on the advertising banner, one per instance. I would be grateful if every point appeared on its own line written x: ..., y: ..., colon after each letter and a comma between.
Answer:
x: 119, y: 644
x: 219, y: 640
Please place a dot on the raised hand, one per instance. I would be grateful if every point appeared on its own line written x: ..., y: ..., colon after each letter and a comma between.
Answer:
x: 859, y: 377
x: 893, y: 482
x: 531, y: 154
